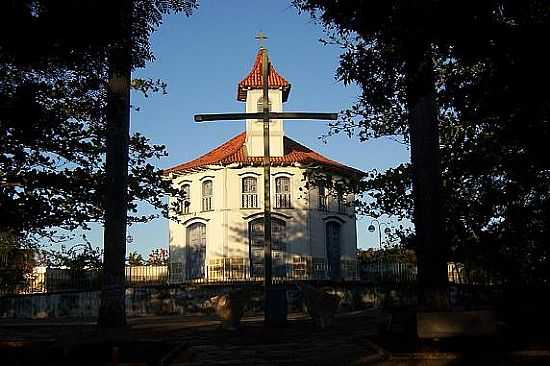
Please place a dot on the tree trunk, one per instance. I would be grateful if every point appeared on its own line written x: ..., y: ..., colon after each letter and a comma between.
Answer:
x: 112, y: 313
x: 426, y: 179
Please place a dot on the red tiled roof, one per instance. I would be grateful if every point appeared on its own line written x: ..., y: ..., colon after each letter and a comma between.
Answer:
x: 234, y: 151
x: 254, y: 80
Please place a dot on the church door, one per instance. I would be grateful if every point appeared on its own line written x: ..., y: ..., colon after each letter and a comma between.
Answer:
x: 196, y: 250
x: 278, y: 246
x: 333, y: 250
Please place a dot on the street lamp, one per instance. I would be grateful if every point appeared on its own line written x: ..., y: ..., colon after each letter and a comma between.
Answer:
x: 372, y: 229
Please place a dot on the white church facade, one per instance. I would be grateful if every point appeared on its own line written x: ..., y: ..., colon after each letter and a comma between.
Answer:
x: 219, y: 231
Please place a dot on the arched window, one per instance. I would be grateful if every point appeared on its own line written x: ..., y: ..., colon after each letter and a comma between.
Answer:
x: 207, y: 196
x: 186, y: 201
x: 249, y: 195
x: 282, y: 193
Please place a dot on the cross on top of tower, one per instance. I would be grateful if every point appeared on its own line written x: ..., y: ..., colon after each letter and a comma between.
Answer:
x: 261, y: 37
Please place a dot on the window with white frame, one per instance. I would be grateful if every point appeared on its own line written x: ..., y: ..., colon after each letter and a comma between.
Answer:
x: 186, y: 201
x: 282, y: 192
x: 207, y: 196
x: 249, y: 193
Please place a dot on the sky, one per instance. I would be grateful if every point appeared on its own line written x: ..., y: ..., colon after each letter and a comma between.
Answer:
x: 203, y: 57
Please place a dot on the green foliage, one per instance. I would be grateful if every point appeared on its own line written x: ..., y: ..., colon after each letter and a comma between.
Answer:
x: 390, y: 255
x: 158, y: 257
x: 79, y: 258
x: 53, y: 90
x: 493, y: 118
x: 135, y: 259
x: 17, y: 260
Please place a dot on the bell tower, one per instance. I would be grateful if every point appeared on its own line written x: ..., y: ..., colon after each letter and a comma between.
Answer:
x: 250, y: 92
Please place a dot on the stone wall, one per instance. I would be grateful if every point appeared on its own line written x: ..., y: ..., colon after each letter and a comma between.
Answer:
x: 143, y: 301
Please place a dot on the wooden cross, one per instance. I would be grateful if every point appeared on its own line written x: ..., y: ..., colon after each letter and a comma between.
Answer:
x: 266, y: 116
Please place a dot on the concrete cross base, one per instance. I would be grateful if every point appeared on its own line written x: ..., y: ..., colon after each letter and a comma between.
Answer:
x: 276, y: 307
x: 455, y: 324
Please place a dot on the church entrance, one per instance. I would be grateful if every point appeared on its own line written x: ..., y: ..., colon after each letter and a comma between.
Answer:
x: 333, y: 250
x: 256, y: 247
x: 196, y: 251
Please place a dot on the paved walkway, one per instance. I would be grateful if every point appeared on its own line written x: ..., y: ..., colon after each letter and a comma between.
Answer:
x: 297, y: 344
x: 204, y: 342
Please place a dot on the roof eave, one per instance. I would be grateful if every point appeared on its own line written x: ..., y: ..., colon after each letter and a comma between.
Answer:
x: 241, y: 92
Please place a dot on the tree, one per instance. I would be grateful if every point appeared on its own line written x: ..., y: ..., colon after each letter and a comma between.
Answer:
x: 112, y: 312
x: 65, y: 99
x: 396, y: 254
x: 400, y: 35
x: 78, y: 258
x: 158, y: 257
x: 135, y: 259
x: 17, y: 260
x: 493, y: 121
x: 53, y: 94
x: 80, y: 266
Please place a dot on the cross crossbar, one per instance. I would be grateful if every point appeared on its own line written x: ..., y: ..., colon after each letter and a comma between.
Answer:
x: 272, y: 115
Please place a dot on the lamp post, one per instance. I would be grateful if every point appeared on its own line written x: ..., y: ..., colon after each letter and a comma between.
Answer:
x: 372, y: 229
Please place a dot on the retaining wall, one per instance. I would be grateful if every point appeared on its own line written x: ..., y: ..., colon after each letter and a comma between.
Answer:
x: 143, y: 301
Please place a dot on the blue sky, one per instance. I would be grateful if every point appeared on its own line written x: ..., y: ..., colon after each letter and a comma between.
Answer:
x: 203, y: 57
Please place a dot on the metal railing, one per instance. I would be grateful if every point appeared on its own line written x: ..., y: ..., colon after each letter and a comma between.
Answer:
x: 249, y: 200
x: 207, y: 203
x: 393, y: 272
x: 283, y: 200
x: 245, y: 273
x: 223, y: 270
x: 402, y: 272
x: 60, y: 280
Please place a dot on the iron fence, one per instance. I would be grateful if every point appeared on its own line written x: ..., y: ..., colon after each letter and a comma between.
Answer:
x: 237, y: 270
x: 54, y: 280
x: 392, y: 272
x: 60, y: 279
x: 406, y: 272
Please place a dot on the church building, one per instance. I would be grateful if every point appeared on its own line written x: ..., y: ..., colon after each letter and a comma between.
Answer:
x: 219, y: 231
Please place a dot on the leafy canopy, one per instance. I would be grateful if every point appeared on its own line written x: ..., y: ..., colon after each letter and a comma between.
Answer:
x: 493, y: 114
x: 53, y: 89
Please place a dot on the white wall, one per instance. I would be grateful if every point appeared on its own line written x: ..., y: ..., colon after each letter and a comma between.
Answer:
x: 254, y: 128
x: 227, y: 224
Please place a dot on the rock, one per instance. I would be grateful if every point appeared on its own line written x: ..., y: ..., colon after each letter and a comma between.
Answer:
x: 230, y: 307
x: 320, y: 305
